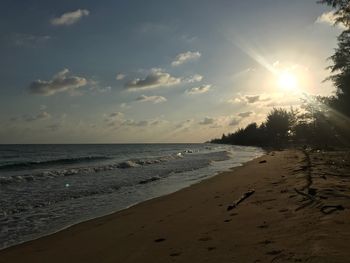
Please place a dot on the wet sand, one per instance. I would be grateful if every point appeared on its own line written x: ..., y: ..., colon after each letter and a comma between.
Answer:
x: 299, y: 212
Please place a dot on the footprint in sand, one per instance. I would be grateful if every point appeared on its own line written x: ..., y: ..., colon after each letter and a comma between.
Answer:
x: 159, y: 240
x: 274, y: 252
x: 266, y: 242
x: 264, y: 225
x: 204, y: 239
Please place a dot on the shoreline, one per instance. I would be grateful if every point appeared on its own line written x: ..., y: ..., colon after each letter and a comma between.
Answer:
x: 193, y: 224
x: 101, y: 215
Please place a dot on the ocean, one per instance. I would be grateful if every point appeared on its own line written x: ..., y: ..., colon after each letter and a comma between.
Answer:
x: 46, y: 188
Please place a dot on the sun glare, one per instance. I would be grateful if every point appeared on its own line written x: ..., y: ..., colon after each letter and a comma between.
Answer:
x: 287, y: 80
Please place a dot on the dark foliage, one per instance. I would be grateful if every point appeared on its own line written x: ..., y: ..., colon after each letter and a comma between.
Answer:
x: 342, y: 10
x: 317, y: 125
x: 324, y: 121
x: 340, y: 68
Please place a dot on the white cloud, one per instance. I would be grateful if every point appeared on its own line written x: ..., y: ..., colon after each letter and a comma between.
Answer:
x: 249, y: 99
x: 153, y: 99
x: 199, y: 90
x: 194, y: 78
x: 116, y: 115
x: 43, y: 107
x: 28, y: 40
x: 155, y: 79
x: 124, y: 105
x: 134, y: 123
x: 117, y: 120
x: 96, y: 87
x: 104, y: 89
x: 60, y: 82
x: 120, y: 76
x: 69, y: 18
x: 330, y: 19
x: 207, y: 121
x: 185, y: 57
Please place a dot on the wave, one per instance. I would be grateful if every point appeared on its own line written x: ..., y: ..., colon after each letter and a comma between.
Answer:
x: 38, y: 164
x: 129, y: 164
x: 149, y: 180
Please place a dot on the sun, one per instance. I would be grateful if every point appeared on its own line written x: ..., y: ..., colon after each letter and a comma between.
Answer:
x: 287, y: 80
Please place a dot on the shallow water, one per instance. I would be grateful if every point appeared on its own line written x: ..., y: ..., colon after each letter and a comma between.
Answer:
x: 44, y: 188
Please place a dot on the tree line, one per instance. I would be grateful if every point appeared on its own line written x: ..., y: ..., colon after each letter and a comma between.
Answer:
x: 321, y: 121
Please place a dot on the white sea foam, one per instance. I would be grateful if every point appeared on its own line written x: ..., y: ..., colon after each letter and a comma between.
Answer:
x: 53, y: 192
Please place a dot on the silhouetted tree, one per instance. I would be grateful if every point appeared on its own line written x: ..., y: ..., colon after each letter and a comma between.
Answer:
x: 279, y: 124
x: 341, y: 74
x: 342, y: 10
x: 340, y: 68
x: 325, y: 120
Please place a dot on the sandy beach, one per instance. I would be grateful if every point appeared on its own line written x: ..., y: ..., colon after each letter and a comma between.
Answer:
x: 298, y: 212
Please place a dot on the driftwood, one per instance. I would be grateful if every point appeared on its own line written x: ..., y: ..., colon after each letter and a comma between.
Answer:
x: 329, y: 209
x: 241, y: 199
x: 325, y: 209
x: 312, y: 200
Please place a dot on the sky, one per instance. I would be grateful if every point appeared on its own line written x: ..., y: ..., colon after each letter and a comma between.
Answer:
x: 156, y: 71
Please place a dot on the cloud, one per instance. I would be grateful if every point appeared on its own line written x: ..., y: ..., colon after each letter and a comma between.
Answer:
x: 28, y: 40
x: 193, y: 78
x: 188, y: 39
x: 184, y: 125
x: 143, y: 123
x: 69, y: 18
x: 120, y: 76
x: 124, y: 105
x: 330, y: 19
x: 153, y: 99
x: 103, y: 89
x: 249, y: 99
x: 114, y: 118
x: 245, y: 114
x: 252, y: 99
x: 116, y: 115
x: 54, y: 127
x: 234, y: 122
x: 199, y: 90
x: 117, y: 120
x: 59, y: 83
x: 133, y: 123
x: 185, y: 57
x: 207, y: 121
x: 43, y: 115
x: 96, y: 87
x: 155, y: 79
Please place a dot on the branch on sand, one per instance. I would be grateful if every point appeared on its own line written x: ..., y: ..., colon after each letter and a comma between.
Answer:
x: 241, y: 199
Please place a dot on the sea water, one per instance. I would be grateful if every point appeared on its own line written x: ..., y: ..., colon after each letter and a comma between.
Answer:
x: 45, y: 188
